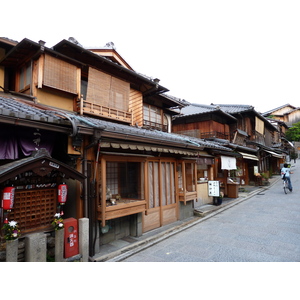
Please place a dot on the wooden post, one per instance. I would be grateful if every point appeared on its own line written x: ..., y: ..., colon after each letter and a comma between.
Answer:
x: 146, y: 186
x: 160, y: 193
x: 103, y: 192
x: 184, y: 182
x: 176, y: 164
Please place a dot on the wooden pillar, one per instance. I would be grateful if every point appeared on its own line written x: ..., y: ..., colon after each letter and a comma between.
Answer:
x: 160, y: 193
x: 103, y: 190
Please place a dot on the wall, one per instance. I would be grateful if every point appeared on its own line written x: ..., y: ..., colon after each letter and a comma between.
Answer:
x: 56, y: 99
x: 186, y: 210
x: 202, y: 195
x: 2, y: 53
x: 120, y: 228
x: 136, y: 107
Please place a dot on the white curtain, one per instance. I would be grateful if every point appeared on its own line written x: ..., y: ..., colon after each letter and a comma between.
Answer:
x: 228, y: 163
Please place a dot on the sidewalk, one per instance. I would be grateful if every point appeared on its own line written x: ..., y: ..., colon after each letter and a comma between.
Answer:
x: 123, y: 248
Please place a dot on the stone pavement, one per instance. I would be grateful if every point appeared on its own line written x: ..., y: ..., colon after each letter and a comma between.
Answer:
x: 123, y: 248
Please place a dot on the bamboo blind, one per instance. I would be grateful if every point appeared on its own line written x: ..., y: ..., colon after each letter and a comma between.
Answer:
x: 60, y: 75
x: 106, y: 90
x: 259, y: 125
x: 98, y: 87
x: 119, y: 94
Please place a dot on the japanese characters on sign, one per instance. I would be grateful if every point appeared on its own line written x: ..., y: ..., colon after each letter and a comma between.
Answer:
x: 214, y: 188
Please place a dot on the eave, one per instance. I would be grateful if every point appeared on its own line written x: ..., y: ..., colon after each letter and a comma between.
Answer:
x: 41, y: 163
x: 89, y: 58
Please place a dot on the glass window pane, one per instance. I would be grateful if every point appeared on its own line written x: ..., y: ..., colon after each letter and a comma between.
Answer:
x: 190, y: 180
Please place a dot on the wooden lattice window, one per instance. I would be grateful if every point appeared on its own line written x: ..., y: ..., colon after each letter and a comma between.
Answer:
x: 34, y: 209
x: 154, y: 118
x: 60, y: 75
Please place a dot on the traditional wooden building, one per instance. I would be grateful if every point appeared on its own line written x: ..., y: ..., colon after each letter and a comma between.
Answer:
x: 102, y: 129
x: 287, y: 113
x: 261, y: 135
x: 240, y: 128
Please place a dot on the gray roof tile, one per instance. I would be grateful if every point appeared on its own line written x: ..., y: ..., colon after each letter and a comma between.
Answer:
x: 18, y: 108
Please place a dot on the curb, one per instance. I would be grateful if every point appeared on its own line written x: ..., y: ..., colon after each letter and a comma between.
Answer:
x: 121, y: 254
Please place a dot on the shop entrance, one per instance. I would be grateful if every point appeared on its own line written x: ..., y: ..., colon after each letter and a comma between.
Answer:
x: 162, y: 207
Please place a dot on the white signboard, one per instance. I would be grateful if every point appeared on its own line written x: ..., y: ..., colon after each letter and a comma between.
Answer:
x: 213, y: 188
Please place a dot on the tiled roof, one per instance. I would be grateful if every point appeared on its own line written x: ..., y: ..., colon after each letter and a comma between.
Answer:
x: 21, y: 109
x: 198, y: 109
x: 17, y: 108
x: 277, y: 108
x: 235, y: 108
x: 155, y: 135
x: 193, y: 108
x: 229, y: 109
x: 20, y: 165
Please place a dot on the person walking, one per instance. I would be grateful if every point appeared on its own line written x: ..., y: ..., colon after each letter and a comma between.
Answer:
x: 285, y: 173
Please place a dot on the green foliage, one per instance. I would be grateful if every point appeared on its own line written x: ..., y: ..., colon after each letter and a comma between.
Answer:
x: 293, y: 134
x: 12, y: 230
x: 58, y: 222
x: 294, y: 155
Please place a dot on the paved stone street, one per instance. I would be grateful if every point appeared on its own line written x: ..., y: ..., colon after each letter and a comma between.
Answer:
x: 264, y: 228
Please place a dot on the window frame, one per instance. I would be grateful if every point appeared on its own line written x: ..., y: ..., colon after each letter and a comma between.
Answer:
x: 24, y: 77
x: 154, y: 118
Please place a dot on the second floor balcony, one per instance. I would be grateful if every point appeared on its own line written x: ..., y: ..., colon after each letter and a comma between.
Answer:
x: 215, y: 134
x: 154, y: 125
x: 86, y: 107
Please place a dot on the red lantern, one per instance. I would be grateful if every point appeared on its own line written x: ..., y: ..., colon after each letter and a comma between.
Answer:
x: 62, y: 195
x: 8, y: 198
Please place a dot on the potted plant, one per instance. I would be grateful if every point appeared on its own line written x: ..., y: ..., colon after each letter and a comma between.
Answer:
x: 58, y: 222
x: 219, y: 200
x: 12, y: 231
x: 265, y: 179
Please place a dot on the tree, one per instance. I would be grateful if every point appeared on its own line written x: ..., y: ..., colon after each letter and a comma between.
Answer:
x: 293, y: 133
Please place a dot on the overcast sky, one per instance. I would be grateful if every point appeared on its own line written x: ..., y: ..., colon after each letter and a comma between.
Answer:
x: 213, y: 51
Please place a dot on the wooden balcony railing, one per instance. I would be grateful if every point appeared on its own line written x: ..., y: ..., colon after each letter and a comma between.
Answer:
x: 85, y: 107
x: 153, y: 125
x: 214, y: 134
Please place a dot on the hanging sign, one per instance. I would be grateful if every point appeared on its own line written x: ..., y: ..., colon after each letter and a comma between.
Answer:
x: 228, y: 163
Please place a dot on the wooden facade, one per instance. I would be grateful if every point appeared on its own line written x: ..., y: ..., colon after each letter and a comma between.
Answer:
x: 114, y: 128
x: 241, y: 128
x: 288, y: 114
x: 128, y: 168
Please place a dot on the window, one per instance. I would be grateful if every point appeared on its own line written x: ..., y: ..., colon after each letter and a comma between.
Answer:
x: 187, y: 177
x: 168, y: 183
x: 84, y: 84
x: 126, y: 179
x: 190, y: 177
x: 154, y: 118
x: 24, y: 77
x: 161, y: 175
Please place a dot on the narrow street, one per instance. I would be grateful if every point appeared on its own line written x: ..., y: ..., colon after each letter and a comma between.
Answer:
x: 264, y: 228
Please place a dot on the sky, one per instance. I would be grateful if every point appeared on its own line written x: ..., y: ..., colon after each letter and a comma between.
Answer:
x: 203, y: 51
